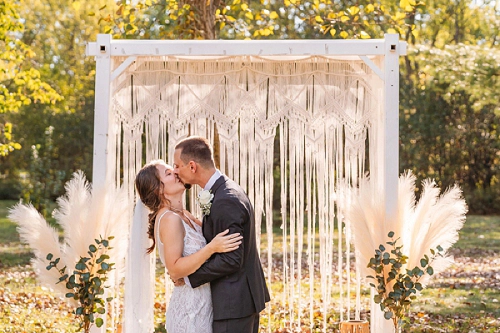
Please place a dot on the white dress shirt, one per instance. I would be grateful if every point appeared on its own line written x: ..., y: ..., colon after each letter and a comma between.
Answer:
x: 213, y: 179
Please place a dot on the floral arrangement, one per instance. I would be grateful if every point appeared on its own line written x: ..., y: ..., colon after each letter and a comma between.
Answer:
x: 424, y: 226
x: 205, y: 200
x: 84, y: 214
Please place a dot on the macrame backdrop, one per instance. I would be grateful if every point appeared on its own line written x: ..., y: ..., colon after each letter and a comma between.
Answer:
x: 323, y: 109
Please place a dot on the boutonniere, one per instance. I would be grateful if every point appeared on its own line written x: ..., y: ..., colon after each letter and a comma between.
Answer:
x: 205, y: 200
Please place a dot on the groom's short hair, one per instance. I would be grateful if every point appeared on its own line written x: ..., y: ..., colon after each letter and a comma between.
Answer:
x: 197, y: 149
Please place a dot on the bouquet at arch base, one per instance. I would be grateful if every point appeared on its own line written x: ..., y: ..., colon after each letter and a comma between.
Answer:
x: 399, y: 255
x: 89, y: 263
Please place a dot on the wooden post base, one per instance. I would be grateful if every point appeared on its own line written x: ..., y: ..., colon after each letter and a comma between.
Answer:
x: 354, y: 326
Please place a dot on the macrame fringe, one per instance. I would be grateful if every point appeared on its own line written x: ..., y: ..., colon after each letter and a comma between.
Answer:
x: 323, y: 111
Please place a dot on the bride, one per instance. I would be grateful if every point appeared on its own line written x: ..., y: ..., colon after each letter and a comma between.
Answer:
x: 178, y: 236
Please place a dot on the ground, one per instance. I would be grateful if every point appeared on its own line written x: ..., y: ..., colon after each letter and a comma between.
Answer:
x: 464, y: 298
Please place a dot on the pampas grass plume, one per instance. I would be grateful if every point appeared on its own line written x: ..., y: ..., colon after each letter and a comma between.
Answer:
x: 42, y: 239
x: 434, y: 220
x: 85, y: 214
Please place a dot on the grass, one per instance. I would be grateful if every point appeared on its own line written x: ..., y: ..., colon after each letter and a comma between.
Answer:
x: 12, y: 252
x: 480, y: 234
x: 465, y: 298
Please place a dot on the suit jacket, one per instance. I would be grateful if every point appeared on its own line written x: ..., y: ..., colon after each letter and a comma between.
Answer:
x: 236, y: 278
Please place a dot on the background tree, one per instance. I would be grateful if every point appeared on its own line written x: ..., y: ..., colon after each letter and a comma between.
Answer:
x: 20, y: 83
x: 236, y: 19
x: 56, y: 32
x: 449, y: 79
x: 460, y: 21
x: 450, y: 120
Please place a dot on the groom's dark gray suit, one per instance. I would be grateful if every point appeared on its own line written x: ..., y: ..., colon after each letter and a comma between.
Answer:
x: 236, y: 278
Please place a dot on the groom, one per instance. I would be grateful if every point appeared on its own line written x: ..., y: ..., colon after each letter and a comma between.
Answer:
x: 239, y: 290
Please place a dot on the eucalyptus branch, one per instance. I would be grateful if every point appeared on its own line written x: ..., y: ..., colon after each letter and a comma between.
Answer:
x: 86, y: 283
x: 397, y: 286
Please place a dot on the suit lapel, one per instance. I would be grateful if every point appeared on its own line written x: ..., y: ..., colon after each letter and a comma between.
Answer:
x: 207, y: 221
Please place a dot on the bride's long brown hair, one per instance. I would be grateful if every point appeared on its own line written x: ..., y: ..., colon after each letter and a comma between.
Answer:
x: 150, y: 189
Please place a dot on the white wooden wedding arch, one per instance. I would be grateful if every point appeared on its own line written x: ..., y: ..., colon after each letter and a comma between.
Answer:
x: 333, y: 104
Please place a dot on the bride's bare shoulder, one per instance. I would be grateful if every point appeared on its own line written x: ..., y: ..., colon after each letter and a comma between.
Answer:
x: 168, y: 216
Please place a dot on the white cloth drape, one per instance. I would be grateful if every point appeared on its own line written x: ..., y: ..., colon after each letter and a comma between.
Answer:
x: 140, y: 278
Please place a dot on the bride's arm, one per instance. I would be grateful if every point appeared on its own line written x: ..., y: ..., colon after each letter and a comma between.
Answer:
x: 172, y: 237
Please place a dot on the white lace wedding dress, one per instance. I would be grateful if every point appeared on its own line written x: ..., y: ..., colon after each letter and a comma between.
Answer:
x: 190, y: 310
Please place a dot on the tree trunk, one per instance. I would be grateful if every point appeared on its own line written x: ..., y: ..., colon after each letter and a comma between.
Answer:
x: 204, y: 17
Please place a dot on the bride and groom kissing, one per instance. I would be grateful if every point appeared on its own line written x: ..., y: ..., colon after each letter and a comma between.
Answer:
x: 219, y: 281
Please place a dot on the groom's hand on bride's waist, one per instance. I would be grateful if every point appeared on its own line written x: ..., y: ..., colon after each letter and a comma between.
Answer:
x: 179, y: 282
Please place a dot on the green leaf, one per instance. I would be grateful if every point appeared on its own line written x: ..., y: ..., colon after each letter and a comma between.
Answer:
x: 93, y: 248
x: 49, y: 256
x: 388, y: 315
x: 99, y: 322
x: 102, y: 258
x: 391, y: 234
x: 423, y: 262
x: 70, y: 295
x: 97, y: 282
x: 430, y: 270
x: 80, y: 266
